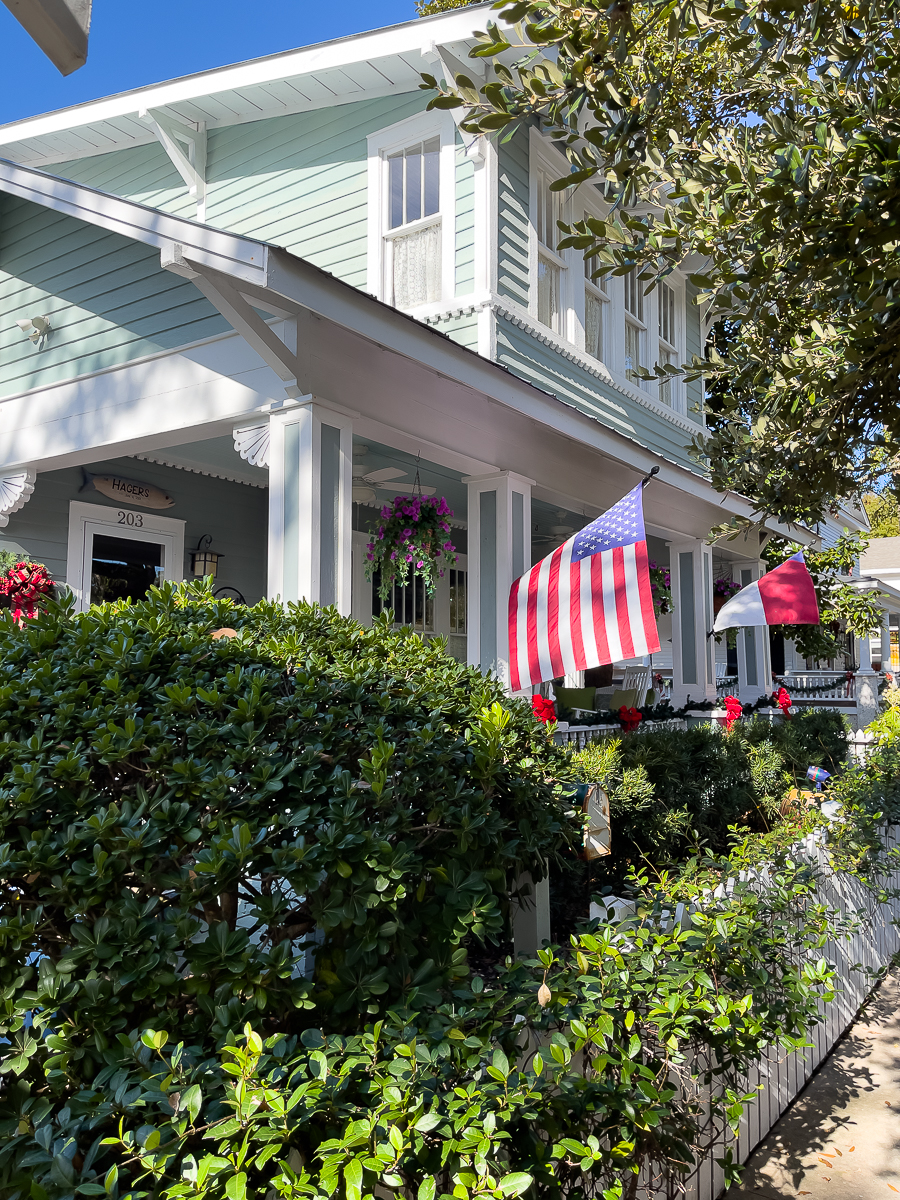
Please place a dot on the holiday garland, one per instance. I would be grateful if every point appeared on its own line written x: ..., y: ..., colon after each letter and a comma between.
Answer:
x: 411, y: 540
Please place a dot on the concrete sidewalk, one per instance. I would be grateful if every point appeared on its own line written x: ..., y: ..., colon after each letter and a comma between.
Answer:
x: 841, y: 1138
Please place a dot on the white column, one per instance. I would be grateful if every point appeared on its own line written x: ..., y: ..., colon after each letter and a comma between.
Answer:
x: 867, y: 681
x: 754, y: 658
x: 310, y: 514
x: 693, y: 653
x: 885, y: 635
x: 499, y: 538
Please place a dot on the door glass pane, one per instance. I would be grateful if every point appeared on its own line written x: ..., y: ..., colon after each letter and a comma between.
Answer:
x: 122, y: 569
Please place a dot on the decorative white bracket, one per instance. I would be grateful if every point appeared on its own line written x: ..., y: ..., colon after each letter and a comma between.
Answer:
x: 185, y: 144
x: 243, y: 318
x: 450, y: 67
x: 252, y: 444
x: 15, y: 492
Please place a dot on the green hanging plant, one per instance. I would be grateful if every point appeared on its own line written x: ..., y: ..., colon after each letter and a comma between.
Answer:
x: 411, y: 540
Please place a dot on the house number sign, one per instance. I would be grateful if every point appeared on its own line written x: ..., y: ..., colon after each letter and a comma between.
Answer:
x: 127, y: 491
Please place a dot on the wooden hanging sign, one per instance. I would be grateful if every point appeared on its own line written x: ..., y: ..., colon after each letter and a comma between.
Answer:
x: 128, y: 491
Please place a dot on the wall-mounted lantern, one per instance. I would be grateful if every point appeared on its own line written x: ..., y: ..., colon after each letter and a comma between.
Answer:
x: 203, y: 560
x: 35, y: 329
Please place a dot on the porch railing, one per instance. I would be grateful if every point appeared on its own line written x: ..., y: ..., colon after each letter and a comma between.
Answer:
x: 726, y: 685
x: 581, y: 735
x: 831, y: 689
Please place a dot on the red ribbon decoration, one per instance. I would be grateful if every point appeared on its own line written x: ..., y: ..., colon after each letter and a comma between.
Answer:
x: 543, y: 709
x: 25, y: 583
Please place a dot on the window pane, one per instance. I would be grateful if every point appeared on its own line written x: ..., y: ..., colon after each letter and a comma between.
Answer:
x: 634, y: 295
x: 548, y: 213
x: 633, y: 352
x: 122, y: 569
x: 665, y: 385
x: 593, y: 325
x: 548, y: 294
x: 432, y: 176
x: 457, y: 601
x: 667, y: 314
x: 395, y: 184
x: 416, y: 267
x: 414, y: 184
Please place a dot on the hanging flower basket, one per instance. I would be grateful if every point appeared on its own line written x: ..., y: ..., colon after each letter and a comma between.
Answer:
x: 411, y: 540
x: 23, y: 588
x: 660, y: 589
x: 723, y: 590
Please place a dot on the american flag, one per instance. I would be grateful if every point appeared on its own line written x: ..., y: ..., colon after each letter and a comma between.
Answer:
x: 587, y: 603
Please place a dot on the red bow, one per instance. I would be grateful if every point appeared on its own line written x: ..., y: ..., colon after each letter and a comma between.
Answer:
x: 543, y: 709
x: 734, y: 710
x: 629, y: 718
x: 783, y: 701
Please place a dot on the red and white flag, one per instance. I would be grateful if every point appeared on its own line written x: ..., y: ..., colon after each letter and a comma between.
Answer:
x: 785, y: 596
x: 587, y: 603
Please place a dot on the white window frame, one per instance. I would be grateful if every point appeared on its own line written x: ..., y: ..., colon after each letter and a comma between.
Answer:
x: 545, y: 159
x: 138, y: 525
x: 384, y: 142
x: 604, y: 291
x: 675, y: 282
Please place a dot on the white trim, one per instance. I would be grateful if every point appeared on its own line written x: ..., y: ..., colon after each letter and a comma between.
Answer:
x: 176, y: 238
x: 408, y: 38
x: 85, y: 520
x: 210, y: 473
x: 417, y: 128
x: 519, y: 316
x: 15, y: 492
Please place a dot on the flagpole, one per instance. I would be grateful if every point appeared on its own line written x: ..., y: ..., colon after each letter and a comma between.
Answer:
x: 653, y: 471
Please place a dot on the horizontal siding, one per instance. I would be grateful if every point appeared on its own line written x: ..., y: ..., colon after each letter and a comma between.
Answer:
x: 298, y: 181
x: 547, y: 369
x: 465, y: 223
x: 462, y: 329
x: 513, y: 232
x: 234, y: 516
x: 107, y: 299
x: 693, y: 346
x: 142, y: 173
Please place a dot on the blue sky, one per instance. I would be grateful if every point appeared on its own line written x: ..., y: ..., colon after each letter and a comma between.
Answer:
x: 133, y: 44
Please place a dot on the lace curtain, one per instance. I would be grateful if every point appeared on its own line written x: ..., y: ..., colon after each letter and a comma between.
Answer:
x: 416, y: 267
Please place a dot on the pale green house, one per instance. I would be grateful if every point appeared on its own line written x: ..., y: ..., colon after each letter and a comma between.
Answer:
x: 269, y: 292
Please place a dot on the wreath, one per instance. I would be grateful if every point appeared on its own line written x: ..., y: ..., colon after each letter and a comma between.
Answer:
x: 411, y: 540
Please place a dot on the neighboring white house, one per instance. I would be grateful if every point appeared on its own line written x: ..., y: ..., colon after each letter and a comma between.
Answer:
x: 274, y: 290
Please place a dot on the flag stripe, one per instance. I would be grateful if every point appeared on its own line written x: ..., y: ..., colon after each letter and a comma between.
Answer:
x: 556, y: 665
x: 587, y: 603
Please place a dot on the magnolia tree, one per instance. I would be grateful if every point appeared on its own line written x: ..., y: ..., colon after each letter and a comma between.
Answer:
x: 754, y: 146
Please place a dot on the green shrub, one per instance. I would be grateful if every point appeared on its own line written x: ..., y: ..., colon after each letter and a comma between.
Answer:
x: 361, y: 800
x: 675, y: 792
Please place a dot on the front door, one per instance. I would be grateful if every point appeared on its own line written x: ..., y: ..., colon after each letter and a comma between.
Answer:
x: 117, y: 554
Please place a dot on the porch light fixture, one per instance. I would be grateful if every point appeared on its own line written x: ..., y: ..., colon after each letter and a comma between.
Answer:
x: 203, y: 560
x: 35, y: 329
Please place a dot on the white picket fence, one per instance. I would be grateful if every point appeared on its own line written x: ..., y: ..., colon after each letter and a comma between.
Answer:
x: 783, y: 1075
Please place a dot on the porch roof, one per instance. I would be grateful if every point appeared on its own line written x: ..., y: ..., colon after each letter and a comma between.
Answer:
x: 414, y: 358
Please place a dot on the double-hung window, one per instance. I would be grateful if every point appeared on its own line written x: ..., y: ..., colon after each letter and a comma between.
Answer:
x: 596, y: 301
x: 551, y: 266
x: 635, y: 329
x: 412, y: 259
x: 668, y: 353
